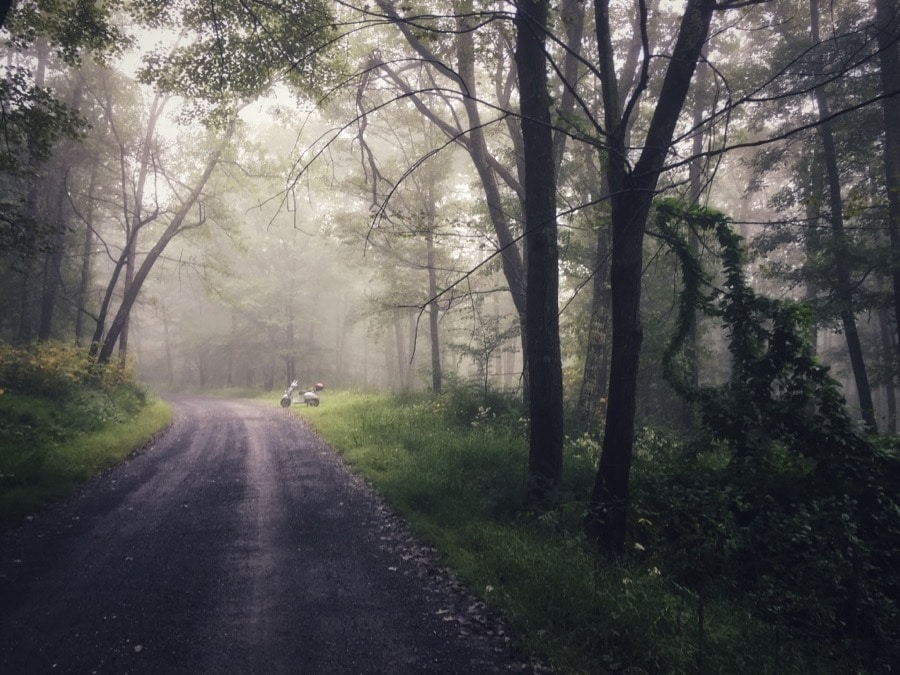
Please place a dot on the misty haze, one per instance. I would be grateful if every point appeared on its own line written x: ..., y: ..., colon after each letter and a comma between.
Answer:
x: 471, y: 336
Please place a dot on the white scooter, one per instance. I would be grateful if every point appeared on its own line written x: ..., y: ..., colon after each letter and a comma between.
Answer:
x: 308, y: 396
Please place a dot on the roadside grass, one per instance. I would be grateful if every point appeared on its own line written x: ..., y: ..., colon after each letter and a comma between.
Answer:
x: 457, y: 472
x: 42, y: 464
x: 62, y: 421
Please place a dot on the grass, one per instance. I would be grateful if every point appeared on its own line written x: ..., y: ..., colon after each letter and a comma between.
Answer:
x: 50, y: 447
x: 456, y: 472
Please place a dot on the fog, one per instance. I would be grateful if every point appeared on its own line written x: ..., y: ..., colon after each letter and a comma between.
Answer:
x: 349, y: 207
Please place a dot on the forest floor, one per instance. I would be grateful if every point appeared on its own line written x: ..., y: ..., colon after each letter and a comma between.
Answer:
x: 236, y: 542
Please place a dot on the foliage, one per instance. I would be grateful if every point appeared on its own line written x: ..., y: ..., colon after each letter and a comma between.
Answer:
x: 33, y: 119
x: 71, y: 27
x: 62, y: 419
x: 55, y: 370
x: 782, y: 497
x: 238, y: 50
x: 456, y: 472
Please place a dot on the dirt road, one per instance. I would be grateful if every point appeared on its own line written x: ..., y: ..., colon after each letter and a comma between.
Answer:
x: 235, y: 543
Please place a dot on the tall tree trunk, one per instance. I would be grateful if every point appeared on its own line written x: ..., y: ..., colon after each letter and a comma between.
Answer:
x: 130, y: 266
x: 811, y: 248
x: 631, y: 191
x: 60, y: 223
x: 887, y: 20
x: 170, y: 362
x: 889, y: 350
x: 87, y: 247
x: 433, y: 316
x: 33, y: 213
x: 542, y: 289
x: 290, y: 345
x: 412, y: 334
x: 400, y: 349
x: 596, y: 357
x: 52, y: 270
x: 843, y: 280
x: 232, y: 350
x: 25, y: 329
x: 695, y: 179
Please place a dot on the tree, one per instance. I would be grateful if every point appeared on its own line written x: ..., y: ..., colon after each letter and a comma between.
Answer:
x: 457, y: 63
x: 631, y: 191
x: 843, y: 282
x: 40, y: 36
x: 887, y: 30
x: 180, y: 222
x: 543, y: 358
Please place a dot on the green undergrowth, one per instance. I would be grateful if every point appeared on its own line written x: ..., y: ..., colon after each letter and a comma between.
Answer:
x: 62, y: 421
x: 456, y: 471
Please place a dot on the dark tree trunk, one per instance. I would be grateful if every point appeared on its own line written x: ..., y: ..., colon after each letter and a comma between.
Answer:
x: 887, y: 19
x: 52, y: 278
x: 596, y: 358
x: 52, y: 271
x: 433, y: 316
x: 692, y: 344
x: 843, y: 280
x: 25, y: 329
x: 86, y: 258
x: 290, y: 344
x: 130, y: 266
x: 400, y: 352
x: 170, y: 362
x: 631, y: 191
x: 889, y: 349
x: 412, y: 334
x: 542, y: 289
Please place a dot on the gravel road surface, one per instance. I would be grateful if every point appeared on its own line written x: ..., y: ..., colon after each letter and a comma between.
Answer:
x: 236, y: 542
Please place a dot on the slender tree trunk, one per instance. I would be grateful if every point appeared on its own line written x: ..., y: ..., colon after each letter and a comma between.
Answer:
x: 87, y: 247
x: 596, y: 358
x: 25, y: 329
x: 811, y: 246
x: 542, y: 302
x: 130, y: 265
x: 889, y: 350
x: 843, y: 281
x: 692, y: 347
x: 52, y: 270
x: 412, y: 335
x: 400, y: 347
x: 290, y: 346
x: 170, y: 364
x: 33, y: 213
x: 53, y: 261
x: 232, y: 350
x: 433, y: 316
x: 887, y: 19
